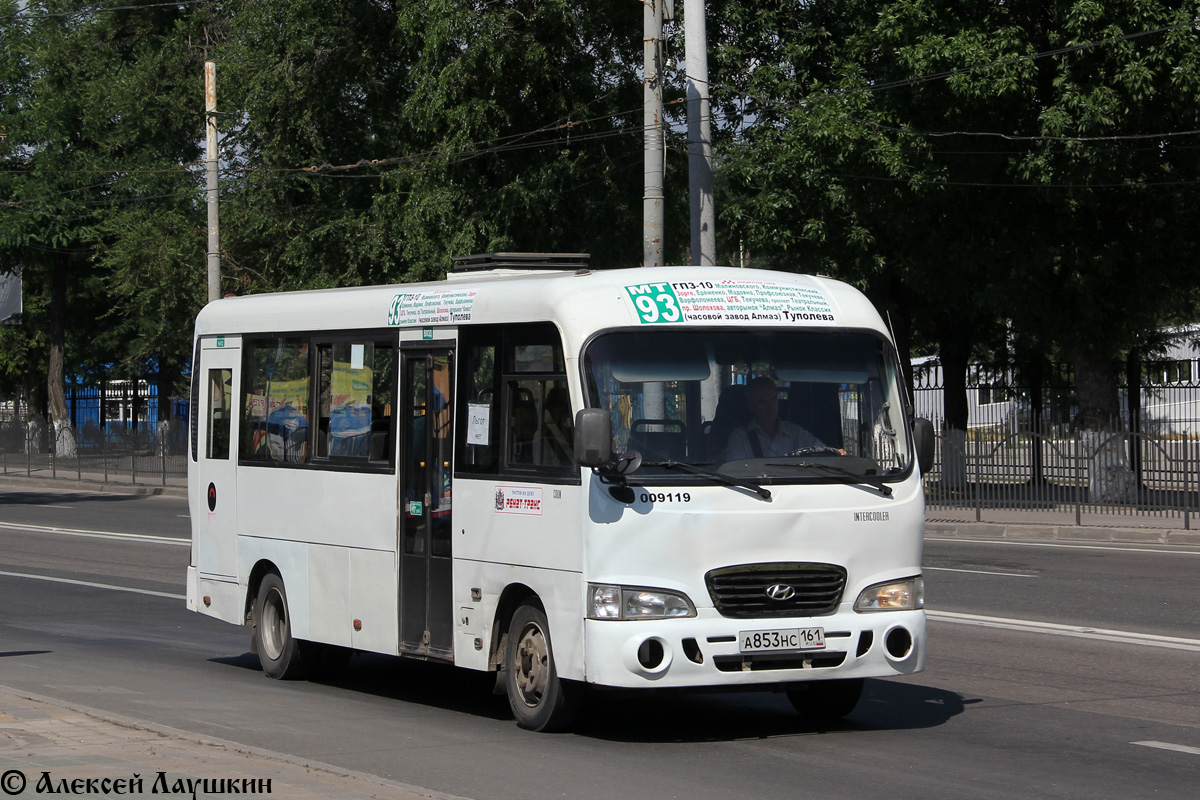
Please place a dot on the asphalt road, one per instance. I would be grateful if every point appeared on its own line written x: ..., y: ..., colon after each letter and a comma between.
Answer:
x: 1004, y: 707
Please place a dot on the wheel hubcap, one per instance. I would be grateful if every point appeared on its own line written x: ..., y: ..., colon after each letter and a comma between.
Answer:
x: 274, y: 625
x: 531, y: 665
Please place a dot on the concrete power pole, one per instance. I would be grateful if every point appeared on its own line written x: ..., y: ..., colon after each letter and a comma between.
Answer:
x: 652, y: 197
x: 700, y: 170
x: 214, y: 237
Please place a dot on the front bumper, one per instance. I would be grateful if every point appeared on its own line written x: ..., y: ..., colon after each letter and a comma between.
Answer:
x: 703, y: 651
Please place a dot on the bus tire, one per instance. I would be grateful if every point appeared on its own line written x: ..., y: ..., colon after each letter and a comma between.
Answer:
x: 540, y: 701
x: 282, y: 655
x: 825, y: 701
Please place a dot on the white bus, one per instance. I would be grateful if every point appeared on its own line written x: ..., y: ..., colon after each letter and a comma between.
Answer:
x: 700, y: 478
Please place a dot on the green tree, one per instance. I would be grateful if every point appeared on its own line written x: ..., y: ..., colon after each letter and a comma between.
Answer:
x: 370, y: 143
x: 980, y: 162
x: 98, y: 133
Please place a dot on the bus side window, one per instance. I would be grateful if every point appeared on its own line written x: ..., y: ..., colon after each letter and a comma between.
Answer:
x: 516, y: 413
x: 276, y: 399
x: 355, y: 389
x: 558, y: 426
x: 522, y: 424
x: 479, y: 419
x: 220, y: 408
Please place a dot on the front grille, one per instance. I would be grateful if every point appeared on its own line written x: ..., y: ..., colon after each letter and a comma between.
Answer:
x: 741, y: 592
x: 756, y: 662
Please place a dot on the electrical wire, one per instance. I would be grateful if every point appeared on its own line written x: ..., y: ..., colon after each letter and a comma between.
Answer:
x: 1017, y: 138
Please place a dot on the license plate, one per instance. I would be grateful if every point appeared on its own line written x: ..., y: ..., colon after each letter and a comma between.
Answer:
x: 784, y: 639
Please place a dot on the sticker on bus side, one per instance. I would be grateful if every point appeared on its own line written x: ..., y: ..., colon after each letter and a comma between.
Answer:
x: 730, y: 302
x: 525, y: 500
x: 432, y: 307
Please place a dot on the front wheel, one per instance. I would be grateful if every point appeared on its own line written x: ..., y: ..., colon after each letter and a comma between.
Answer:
x: 825, y: 701
x: 540, y: 701
x: 282, y: 655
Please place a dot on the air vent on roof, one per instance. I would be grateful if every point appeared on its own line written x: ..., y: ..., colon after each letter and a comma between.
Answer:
x: 485, y: 261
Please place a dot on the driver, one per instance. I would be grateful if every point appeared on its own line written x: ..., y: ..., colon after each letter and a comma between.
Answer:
x: 766, y: 435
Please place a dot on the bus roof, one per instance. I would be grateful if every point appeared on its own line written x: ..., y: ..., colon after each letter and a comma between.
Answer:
x: 580, y: 302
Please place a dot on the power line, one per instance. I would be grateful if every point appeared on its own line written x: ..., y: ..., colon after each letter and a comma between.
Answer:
x: 1018, y: 138
x: 985, y: 185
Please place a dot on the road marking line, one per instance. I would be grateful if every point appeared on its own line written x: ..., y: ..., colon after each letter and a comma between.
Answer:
x: 47, y: 505
x: 1178, y: 748
x: 1075, y: 631
x: 129, y: 537
x: 981, y: 572
x: 1116, y: 548
x: 94, y: 585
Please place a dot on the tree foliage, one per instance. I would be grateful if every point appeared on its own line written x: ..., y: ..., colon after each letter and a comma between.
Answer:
x: 1029, y: 162
x: 363, y: 142
x: 96, y: 140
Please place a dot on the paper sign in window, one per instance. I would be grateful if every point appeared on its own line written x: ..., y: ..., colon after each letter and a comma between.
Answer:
x: 479, y: 418
x: 357, y: 354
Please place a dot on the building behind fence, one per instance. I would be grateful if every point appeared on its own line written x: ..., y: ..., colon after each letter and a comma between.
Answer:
x: 1017, y: 453
x: 120, y: 431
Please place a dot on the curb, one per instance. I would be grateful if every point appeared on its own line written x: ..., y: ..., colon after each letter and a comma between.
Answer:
x: 17, y: 481
x: 935, y: 529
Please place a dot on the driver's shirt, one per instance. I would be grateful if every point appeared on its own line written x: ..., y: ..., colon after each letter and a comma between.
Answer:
x: 788, y: 437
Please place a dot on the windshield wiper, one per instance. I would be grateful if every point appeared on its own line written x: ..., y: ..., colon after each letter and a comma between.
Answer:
x: 717, y: 477
x: 846, y: 475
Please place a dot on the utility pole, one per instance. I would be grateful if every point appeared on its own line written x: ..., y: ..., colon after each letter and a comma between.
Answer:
x: 700, y: 170
x: 652, y: 197
x: 214, y: 236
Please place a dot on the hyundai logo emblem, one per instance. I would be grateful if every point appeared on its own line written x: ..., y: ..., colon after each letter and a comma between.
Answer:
x: 780, y: 592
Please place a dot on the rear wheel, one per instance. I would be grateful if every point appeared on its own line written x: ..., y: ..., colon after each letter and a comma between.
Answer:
x: 282, y: 655
x: 826, y: 701
x: 540, y: 701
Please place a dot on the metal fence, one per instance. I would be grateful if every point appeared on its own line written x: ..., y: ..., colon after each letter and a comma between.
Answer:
x: 1121, y: 474
x: 112, y: 453
x: 1023, y: 450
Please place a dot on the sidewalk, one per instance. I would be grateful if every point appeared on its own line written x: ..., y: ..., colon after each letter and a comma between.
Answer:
x: 47, y: 746
x: 174, y: 486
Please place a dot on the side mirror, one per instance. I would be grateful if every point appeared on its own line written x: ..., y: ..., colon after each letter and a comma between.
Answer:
x: 923, y: 439
x: 593, y: 437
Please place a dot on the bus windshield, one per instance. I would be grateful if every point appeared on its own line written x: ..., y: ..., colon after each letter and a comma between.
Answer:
x: 777, y: 406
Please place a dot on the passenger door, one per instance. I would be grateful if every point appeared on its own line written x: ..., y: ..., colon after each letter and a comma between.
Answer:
x: 216, y: 455
x: 426, y: 619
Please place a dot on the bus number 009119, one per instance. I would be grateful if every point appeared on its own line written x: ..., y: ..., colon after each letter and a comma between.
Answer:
x: 666, y: 497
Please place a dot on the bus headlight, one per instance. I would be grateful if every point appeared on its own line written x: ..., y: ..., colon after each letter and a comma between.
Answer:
x: 636, y: 602
x: 904, y: 595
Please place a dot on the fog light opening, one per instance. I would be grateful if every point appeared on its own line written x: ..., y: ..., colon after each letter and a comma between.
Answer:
x: 650, y: 654
x: 899, y: 643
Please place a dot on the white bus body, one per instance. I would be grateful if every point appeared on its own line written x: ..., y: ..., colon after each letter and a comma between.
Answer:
x: 390, y: 469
